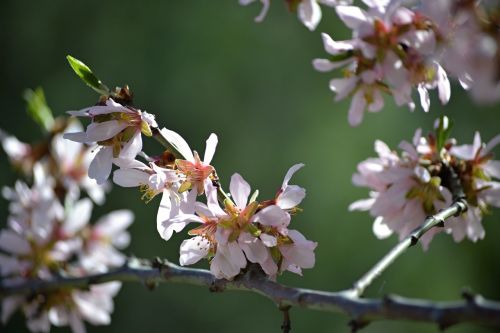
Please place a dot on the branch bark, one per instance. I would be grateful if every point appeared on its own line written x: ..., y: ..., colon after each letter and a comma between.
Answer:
x: 474, y: 309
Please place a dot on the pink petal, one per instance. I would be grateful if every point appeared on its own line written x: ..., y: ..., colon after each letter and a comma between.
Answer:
x: 101, y: 165
x: 193, y: 250
x: 240, y: 190
x: 309, y: 13
x: 178, y: 143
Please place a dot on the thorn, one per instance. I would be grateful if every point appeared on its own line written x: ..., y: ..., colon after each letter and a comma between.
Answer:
x: 440, y: 224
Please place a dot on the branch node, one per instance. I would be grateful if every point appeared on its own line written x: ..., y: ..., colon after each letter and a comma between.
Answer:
x: 469, y: 296
x: 414, y: 240
x: 216, y: 286
x: 440, y: 223
x: 357, y: 324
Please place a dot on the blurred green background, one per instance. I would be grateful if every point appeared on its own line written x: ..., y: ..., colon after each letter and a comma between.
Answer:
x: 205, y: 66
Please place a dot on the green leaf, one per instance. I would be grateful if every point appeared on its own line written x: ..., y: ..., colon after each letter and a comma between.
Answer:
x: 443, y: 131
x: 37, y: 108
x: 85, y: 73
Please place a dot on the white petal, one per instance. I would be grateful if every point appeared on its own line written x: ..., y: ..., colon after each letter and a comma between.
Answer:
x: 362, y: 205
x: 77, y: 137
x: 309, y: 13
x: 268, y: 240
x: 132, y: 147
x: 325, y: 65
x: 254, y: 249
x: 343, y: 87
x: 101, y: 165
x: 357, y: 108
x: 273, y: 216
x: 444, y: 89
x: 211, y: 144
x: 352, y: 16
x: 13, y: 243
x: 240, y: 190
x: 115, y: 222
x: 9, y: 306
x: 178, y: 143
x: 78, y: 217
x: 292, y: 196
x: 424, y: 97
x: 290, y: 173
x: 103, y: 131
x: 380, y: 229
x: 130, y: 177
x: 335, y: 47
x: 193, y: 250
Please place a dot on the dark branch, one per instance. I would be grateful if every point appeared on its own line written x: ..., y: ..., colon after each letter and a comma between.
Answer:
x: 474, y: 309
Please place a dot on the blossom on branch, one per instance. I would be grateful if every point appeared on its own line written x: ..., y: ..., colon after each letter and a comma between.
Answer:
x: 393, y: 51
x: 43, y: 241
x: 424, y: 178
x: 117, y: 131
x: 244, y: 229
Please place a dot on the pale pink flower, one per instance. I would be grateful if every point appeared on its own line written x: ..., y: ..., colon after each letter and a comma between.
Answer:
x: 245, y: 230
x: 117, y: 130
x: 73, y: 160
x: 393, y: 50
x: 195, y: 171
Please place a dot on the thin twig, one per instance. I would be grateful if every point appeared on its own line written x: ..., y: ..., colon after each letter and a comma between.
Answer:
x: 286, y: 327
x: 474, y: 309
x: 458, y: 207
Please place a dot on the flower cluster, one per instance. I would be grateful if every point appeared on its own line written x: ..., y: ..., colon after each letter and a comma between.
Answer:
x: 117, y: 130
x: 409, y: 186
x: 242, y: 230
x: 243, y: 227
x: 392, y: 51
x: 44, y: 240
x: 471, y: 49
x: 48, y: 234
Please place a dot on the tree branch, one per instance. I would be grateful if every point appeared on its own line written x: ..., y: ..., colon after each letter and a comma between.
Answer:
x: 437, y: 220
x: 474, y: 308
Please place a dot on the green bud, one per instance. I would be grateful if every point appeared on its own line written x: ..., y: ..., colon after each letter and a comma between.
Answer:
x: 85, y: 73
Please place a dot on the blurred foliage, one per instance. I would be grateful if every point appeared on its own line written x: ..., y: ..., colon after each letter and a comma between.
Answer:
x: 205, y: 66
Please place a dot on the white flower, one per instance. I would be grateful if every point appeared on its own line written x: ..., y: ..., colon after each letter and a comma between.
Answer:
x: 117, y: 129
x: 196, y: 172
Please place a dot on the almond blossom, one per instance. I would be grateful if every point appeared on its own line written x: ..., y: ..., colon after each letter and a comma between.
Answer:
x: 195, y: 171
x: 393, y: 50
x: 117, y: 130
x: 408, y: 187
x: 246, y: 230
x: 43, y: 240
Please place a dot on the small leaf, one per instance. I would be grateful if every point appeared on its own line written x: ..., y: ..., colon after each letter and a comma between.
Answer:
x: 85, y: 73
x: 37, y: 108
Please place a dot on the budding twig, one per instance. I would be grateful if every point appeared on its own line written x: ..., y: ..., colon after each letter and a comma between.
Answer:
x: 458, y: 207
